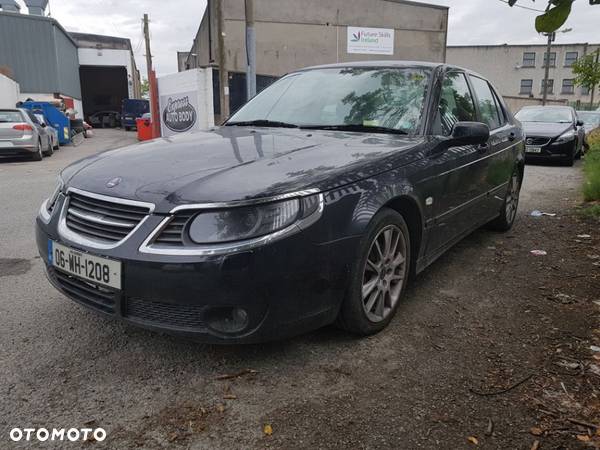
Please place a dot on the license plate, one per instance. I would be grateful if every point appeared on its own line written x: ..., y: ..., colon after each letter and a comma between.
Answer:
x: 95, y: 269
x: 533, y: 149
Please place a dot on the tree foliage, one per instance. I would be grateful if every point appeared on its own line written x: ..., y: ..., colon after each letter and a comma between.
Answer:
x: 145, y: 88
x: 587, y: 72
x: 557, y: 13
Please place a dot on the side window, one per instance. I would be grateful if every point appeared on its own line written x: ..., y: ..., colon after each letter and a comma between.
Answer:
x: 33, y: 118
x: 456, y: 104
x: 487, y: 103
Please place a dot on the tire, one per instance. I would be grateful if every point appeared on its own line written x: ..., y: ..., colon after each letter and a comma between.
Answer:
x: 50, y: 150
x: 127, y: 128
x: 508, y: 210
x: 38, y: 155
x: 569, y: 161
x: 381, y: 279
x: 56, y: 145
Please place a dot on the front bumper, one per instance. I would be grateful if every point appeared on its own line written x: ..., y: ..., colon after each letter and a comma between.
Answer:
x: 286, y: 288
x: 554, y: 151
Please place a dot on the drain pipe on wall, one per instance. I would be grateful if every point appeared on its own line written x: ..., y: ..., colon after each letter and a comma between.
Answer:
x: 250, y: 51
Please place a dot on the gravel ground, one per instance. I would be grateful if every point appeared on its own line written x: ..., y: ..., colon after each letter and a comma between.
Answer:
x: 485, y: 317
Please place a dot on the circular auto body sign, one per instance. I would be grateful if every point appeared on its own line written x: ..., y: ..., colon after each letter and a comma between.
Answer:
x: 179, y: 114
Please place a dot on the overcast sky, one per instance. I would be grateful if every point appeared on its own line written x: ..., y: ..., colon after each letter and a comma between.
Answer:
x: 174, y: 23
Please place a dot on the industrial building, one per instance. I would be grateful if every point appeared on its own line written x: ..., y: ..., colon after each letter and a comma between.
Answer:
x: 90, y: 72
x: 518, y: 70
x: 291, y: 35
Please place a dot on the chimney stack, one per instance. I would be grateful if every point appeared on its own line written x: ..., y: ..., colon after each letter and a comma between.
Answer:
x: 36, y: 7
x: 10, y: 6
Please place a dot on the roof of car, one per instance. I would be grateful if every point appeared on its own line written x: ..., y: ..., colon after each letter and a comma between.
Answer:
x: 547, y: 107
x: 391, y: 64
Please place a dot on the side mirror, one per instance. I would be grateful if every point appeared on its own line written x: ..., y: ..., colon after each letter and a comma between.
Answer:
x: 43, y: 125
x: 580, y: 123
x: 469, y: 133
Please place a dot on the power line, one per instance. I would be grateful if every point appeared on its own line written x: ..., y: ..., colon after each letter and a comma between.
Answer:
x: 524, y: 7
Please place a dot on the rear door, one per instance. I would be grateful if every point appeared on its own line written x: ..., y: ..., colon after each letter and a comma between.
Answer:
x: 500, y: 152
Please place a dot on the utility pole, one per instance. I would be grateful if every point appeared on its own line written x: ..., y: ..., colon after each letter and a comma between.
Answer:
x: 250, y: 51
x: 223, y: 75
x: 153, y: 91
x: 594, y: 86
x: 147, y: 39
x: 551, y: 37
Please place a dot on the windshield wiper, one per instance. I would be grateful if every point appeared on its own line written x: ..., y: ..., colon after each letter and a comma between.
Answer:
x: 356, y: 127
x: 261, y: 123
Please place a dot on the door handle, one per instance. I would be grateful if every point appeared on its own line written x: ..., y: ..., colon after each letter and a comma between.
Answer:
x: 512, y: 136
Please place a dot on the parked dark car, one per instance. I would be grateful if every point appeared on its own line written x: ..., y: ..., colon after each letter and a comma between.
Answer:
x: 105, y: 119
x: 313, y: 204
x: 133, y: 109
x: 552, y: 133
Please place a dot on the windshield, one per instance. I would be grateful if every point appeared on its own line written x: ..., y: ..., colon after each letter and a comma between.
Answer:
x: 549, y: 115
x: 364, y: 97
x: 590, y: 118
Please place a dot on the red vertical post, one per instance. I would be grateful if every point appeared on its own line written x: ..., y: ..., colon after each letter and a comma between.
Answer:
x: 154, y: 108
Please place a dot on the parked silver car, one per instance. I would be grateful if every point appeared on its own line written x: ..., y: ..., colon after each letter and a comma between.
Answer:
x: 22, y: 134
x: 53, y: 132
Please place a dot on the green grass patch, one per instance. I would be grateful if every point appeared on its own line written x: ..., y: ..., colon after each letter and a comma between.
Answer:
x: 591, y: 211
x: 591, y: 169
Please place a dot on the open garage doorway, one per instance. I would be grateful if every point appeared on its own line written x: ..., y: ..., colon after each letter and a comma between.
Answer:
x: 103, y: 90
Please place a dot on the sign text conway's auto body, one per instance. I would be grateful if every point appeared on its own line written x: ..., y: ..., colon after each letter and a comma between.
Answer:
x: 371, y: 41
x: 179, y: 114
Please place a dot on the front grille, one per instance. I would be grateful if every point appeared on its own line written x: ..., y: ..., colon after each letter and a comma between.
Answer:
x: 90, y: 294
x: 164, y: 314
x: 172, y: 234
x: 103, y: 220
x: 540, y: 141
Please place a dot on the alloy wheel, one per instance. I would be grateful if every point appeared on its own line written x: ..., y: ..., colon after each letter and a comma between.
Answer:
x: 384, y: 273
x: 512, y: 198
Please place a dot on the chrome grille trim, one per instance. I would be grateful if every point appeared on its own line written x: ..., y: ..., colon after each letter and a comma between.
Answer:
x: 537, y: 141
x: 99, y: 221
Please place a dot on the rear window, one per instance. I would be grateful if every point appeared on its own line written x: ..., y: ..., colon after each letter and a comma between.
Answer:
x: 136, y: 106
x: 10, y: 116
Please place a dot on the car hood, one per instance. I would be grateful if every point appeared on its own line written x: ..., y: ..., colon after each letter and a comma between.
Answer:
x: 545, y: 129
x: 238, y: 163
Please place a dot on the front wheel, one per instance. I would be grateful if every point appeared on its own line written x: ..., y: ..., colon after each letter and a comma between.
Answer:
x: 508, y: 210
x: 379, y: 276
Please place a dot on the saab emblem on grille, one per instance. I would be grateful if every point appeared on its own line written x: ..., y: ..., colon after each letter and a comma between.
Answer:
x: 528, y: 142
x: 114, y: 182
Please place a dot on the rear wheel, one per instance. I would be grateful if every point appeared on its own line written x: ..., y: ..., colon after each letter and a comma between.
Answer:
x: 379, y: 275
x: 38, y: 155
x: 50, y: 150
x: 508, y: 211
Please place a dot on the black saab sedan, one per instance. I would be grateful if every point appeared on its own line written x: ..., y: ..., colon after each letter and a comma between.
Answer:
x: 552, y: 133
x: 313, y: 204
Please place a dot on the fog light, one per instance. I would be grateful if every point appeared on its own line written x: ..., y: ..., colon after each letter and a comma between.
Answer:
x: 227, y: 319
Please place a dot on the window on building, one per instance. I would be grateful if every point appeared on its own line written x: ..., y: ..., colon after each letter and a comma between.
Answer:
x: 568, y: 87
x: 488, y: 106
x: 585, y: 90
x: 552, y: 59
x: 456, y: 104
x: 550, y: 87
x: 570, y: 58
x: 529, y: 59
x: 526, y: 87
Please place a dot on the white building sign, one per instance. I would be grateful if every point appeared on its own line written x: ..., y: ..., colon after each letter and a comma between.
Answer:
x: 186, y: 101
x: 371, y: 41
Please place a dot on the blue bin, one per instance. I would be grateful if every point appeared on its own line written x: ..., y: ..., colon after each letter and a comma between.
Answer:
x: 55, y: 117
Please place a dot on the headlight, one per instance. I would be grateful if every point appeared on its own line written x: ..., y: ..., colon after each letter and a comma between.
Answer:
x: 238, y: 224
x: 48, y: 206
x: 565, y: 137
